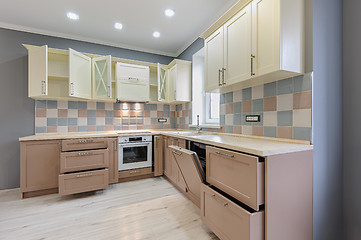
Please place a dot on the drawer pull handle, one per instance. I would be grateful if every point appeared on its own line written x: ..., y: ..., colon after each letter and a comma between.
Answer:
x: 84, y: 175
x: 86, y: 141
x: 85, y: 153
x: 177, y: 153
x: 135, y: 171
x: 224, y: 204
x: 224, y: 154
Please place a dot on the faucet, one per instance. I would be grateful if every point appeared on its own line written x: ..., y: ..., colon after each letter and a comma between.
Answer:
x: 198, y: 127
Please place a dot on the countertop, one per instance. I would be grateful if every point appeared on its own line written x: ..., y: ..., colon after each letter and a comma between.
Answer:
x: 260, y: 146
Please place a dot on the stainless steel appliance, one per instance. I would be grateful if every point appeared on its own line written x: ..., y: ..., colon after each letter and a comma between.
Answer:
x: 135, y: 152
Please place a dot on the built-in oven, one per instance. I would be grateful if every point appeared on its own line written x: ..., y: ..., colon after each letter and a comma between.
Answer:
x: 135, y: 152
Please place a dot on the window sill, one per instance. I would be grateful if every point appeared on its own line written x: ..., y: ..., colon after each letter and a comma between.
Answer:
x: 214, y: 126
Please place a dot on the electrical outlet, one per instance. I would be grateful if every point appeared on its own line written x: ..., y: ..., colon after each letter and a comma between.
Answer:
x: 162, y: 120
x: 253, y: 118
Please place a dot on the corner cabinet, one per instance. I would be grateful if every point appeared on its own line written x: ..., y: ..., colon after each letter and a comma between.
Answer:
x: 262, y: 42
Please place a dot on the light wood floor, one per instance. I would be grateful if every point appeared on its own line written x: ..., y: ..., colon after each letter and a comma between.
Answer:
x: 143, y: 209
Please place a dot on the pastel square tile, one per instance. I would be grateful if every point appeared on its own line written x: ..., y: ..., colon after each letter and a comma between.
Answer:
x: 52, y: 122
x: 146, y: 126
x: 257, y: 130
x: 100, y: 106
x: 285, y: 102
x: 82, y: 121
x: 100, y: 121
x: 63, y: 113
x: 73, y: 113
x: 100, y: 128
x: 229, y: 97
x: 229, y: 119
x: 160, y: 107
x: 82, y: 105
x: 237, y: 129
x: 132, y: 121
x: 141, y: 113
x: 246, y: 94
x: 72, y: 121
x: 124, y: 106
x: 40, y: 122
x: 72, y: 105
x: 166, y: 107
x: 91, y: 113
x: 109, y: 106
x: 229, y: 129
x: 222, y: 120
x: 100, y: 113
x: 62, y: 104
x: 92, y: 105
x: 62, y: 121
x: 222, y: 98
x: 108, y: 113
x: 117, y: 121
x: 270, y: 104
x: 247, y: 130
x: 91, y: 121
x: 237, y: 119
x: 303, y: 83
x: 302, y: 100
x: 229, y: 108
x: 125, y: 113
x: 52, y: 129
x: 125, y: 121
x: 82, y: 128
x: 270, y: 131
x: 269, y: 89
x: 52, y: 113
x: 172, y: 107
x: 243, y: 120
x: 117, y: 127
x: 153, y: 114
x: 40, y: 129
x: 285, y: 86
x: 247, y: 106
x: 116, y: 106
x: 62, y: 129
x: 284, y: 132
x: 257, y: 92
x: 92, y: 128
x: 302, y: 133
x: 222, y: 109
x: 83, y: 113
x: 72, y: 128
x: 160, y: 113
x: 117, y: 113
x: 140, y: 121
x: 237, y: 96
x: 50, y: 104
x: 40, y: 112
x: 302, y: 118
x: 284, y: 118
x: 237, y: 107
x: 40, y: 104
x: 140, y: 127
x: 270, y: 118
x: 132, y: 127
x: 257, y: 105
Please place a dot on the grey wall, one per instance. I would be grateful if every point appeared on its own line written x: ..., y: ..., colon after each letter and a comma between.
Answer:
x: 327, y: 119
x: 192, y: 49
x: 16, y: 109
x: 352, y: 118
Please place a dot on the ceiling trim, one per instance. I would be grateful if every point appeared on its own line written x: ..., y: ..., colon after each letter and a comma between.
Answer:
x: 85, y: 39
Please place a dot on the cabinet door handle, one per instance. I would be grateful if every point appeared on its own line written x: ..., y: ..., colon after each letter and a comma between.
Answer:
x: 71, y: 88
x: 223, y: 78
x: 86, y: 141
x: 252, y: 57
x: 43, y: 86
x: 85, y: 153
x: 224, y: 154
x: 219, y: 77
x: 84, y: 175
x: 224, y: 204
x: 135, y: 171
x: 108, y: 91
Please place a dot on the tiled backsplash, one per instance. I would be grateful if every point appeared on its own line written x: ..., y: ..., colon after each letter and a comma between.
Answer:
x: 73, y: 116
x: 284, y: 107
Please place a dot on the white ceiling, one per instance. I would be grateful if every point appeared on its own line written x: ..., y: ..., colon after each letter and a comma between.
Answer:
x: 139, y: 18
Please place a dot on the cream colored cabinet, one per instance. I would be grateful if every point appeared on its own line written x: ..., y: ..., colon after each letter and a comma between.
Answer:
x: 214, y: 46
x: 162, y: 83
x: 79, y: 75
x: 179, y: 75
x: 102, y: 85
x: 262, y: 42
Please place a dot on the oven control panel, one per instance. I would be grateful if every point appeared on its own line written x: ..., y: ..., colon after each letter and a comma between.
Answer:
x: 135, y: 139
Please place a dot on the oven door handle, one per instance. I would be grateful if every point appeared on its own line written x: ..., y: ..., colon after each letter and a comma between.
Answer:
x: 135, y: 144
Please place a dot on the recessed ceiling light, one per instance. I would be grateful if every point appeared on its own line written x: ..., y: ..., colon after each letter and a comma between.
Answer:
x: 118, y: 25
x: 72, y: 16
x: 156, y: 34
x: 169, y: 12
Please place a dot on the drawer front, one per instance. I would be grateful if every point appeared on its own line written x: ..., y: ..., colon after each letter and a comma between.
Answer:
x: 84, y: 160
x: 83, y: 144
x: 135, y: 172
x: 228, y: 220
x: 83, y: 181
x: 239, y: 175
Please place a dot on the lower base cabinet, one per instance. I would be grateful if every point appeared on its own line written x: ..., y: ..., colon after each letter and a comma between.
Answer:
x: 228, y: 220
x: 83, y: 181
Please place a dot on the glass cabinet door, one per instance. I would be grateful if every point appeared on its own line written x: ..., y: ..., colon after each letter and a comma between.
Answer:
x: 79, y: 75
x: 162, y: 83
x: 102, y: 86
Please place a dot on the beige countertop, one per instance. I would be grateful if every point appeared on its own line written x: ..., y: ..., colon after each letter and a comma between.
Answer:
x: 260, y: 146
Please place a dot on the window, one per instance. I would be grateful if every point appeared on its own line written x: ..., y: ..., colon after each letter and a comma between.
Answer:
x: 206, y: 105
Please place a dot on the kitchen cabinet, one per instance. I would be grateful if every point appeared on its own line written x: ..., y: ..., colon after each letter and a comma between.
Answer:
x: 102, y: 80
x: 179, y: 75
x: 158, y: 155
x: 39, y: 166
x: 79, y: 75
x: 162, y: 85
x: 262, y: 42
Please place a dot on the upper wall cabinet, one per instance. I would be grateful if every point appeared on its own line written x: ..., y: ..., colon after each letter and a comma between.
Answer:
x: 162, y: 83
x: 179, y: 81
x: 80, y: 68
x: 102, y: 85
x: 262, y: 42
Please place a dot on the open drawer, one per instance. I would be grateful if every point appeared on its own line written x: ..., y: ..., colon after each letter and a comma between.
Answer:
x: 83, y: 160
x: 190, y: 169
x: 239, y: 175
x: 228, y: 220
x: 83, y: 181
